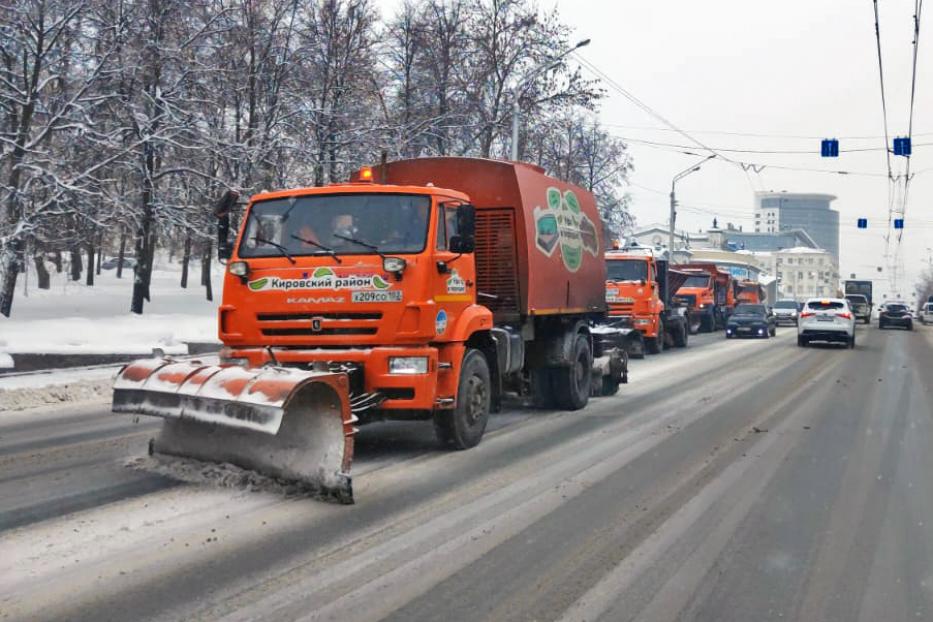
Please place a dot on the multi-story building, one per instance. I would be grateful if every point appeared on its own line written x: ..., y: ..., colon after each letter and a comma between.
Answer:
x: 802, y: 272
x: 776, y: 212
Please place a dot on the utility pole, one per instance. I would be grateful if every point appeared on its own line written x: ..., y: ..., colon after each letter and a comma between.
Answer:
x: 673, y: 217
x: 523, y: 84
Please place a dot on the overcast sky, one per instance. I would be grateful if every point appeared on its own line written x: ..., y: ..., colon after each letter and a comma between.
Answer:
x: 787, y: 69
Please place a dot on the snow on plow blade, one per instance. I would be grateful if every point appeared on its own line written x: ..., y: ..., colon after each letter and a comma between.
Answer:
x: 291, y: 424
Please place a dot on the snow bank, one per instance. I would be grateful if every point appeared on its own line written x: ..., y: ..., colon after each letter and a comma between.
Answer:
x: 72, y: 318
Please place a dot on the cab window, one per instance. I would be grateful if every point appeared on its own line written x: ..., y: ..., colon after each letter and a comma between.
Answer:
x: 446, y: 225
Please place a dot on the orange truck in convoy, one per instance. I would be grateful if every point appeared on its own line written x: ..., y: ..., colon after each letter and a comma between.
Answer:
x: 709, y: 295
x: 750, y: 291
x: 640, y: 287
x: 423, y: 289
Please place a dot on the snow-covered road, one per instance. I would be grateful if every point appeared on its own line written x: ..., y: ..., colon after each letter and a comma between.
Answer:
x: 741, y: 480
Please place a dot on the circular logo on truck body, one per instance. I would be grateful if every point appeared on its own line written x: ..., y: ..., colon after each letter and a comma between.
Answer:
x: 440, y: 323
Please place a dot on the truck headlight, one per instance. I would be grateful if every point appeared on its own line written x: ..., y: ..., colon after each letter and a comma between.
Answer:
x: 393, y: 264
x: 238, y: 268
x: 408, y: 364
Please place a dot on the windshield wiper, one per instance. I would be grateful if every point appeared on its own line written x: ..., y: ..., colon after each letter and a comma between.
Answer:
x: 281, y: 248
x: 326, y: 249
x: 371, y: 247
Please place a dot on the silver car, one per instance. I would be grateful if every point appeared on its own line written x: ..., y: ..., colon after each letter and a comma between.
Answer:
x: 785, y: 311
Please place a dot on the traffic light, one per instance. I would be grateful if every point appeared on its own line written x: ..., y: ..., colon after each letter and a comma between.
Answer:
x: 898, y: 223
x: 902, y: 146
x: 829, y: 148
x: 863, y: 223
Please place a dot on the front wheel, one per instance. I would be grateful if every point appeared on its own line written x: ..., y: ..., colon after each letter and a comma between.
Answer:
x: 463, y: 426
x: 681, y: 336
x: 572, y: 384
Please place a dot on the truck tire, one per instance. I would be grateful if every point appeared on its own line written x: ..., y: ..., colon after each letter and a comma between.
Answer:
x: 542, y: 388
x: 681, y: 336
x: 610, y: 386
x: 707, y: 324
x: 654, y: 345
x: 572, y: 384
x: 462, y: 426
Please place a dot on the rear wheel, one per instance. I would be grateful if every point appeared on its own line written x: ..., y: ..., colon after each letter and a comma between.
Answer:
x: 910, y: 325
x: 802, y: 341
x: 572, y: 384
x: 774, y: 331
x: 463, y: 426
x: 852, y: 342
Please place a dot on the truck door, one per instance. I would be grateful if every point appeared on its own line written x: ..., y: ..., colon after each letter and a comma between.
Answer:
x: 454, y: 285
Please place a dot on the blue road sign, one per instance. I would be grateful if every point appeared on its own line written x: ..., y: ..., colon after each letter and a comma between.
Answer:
x: 863, y: 223
x: 829, y: 148
x: 898, y: 223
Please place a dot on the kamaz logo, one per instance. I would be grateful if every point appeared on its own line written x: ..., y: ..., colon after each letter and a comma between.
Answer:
x: 316, y: 324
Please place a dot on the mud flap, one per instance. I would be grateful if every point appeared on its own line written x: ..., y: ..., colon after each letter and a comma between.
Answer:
x: 286, y: 423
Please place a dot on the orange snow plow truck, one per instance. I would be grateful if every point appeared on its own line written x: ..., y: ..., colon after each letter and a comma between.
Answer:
x: 422, y: 289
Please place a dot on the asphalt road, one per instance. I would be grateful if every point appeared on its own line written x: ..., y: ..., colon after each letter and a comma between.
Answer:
x: 734, y: 480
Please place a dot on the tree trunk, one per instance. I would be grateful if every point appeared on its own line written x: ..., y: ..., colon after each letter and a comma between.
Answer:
x: 122, y: 253
x: 57, y: 260
x: 76, y: 266
x: 90, y: 264
x: 185, y: 258
x: 43, y: 278
x: 100, y: 254
x: 8, y: 272
x: 206, y: 271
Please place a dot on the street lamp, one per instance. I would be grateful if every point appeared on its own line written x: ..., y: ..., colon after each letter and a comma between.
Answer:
x: 677, y: 178
x: 523, y: 84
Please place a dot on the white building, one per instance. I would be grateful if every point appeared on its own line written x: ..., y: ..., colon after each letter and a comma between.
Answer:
x: 802, y: 272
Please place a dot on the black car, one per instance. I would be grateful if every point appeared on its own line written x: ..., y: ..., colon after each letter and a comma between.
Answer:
x: 895, y: 314
x: 751, y: 321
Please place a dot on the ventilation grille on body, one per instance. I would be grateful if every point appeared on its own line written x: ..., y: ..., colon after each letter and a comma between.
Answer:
x: 496, y: 261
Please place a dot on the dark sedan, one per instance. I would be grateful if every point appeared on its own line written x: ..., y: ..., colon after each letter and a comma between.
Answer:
x: 751, y: 321
x: 895, y: 314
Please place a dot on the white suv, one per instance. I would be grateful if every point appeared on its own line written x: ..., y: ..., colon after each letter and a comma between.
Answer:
x: 826, y: 319
x: 926, y: 313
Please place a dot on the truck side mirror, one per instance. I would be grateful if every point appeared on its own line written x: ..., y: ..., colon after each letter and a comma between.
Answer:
x: 222, y: 213
x: 465, y: 240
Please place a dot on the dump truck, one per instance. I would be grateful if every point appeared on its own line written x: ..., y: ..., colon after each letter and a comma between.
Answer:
x: 708, y: 294
x: 640, y: 287
x: 421, y: 289
x: 858, y: 287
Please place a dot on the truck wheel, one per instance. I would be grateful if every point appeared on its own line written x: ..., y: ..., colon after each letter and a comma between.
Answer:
x: 610, y: 386
x: 572, y: 384
x: 462, y: 426
x: 654, y: 345
x: 681, y: 336
x: 542, y: 388
x: 706, y: 323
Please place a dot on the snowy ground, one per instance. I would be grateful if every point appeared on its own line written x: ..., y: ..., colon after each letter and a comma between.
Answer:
x: 74, y: 318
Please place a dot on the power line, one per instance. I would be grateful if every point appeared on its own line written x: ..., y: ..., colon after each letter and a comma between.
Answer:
x: 759, y: 151
x: 918, y: 7
x: 748, y: 134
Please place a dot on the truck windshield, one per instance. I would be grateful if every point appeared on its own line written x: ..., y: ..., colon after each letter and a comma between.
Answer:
x: 696, y: 281
x: 322, y: 224
x: 627, y: 270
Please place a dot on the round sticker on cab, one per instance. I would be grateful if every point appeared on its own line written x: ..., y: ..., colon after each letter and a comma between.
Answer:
x: 440, y: 323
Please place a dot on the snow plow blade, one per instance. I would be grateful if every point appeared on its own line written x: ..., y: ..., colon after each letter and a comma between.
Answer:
x: 291, y: 424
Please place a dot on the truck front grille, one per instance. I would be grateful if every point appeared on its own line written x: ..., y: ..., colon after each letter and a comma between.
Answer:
x: 318, y: 324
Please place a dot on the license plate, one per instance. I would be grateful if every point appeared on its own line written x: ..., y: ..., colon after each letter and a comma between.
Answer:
x: 391, y: 296
x: 744, y: 329
x: 825, y: 318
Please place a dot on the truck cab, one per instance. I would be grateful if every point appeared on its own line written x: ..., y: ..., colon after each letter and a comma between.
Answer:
x: 637, y: 293
x: 709, y: 295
